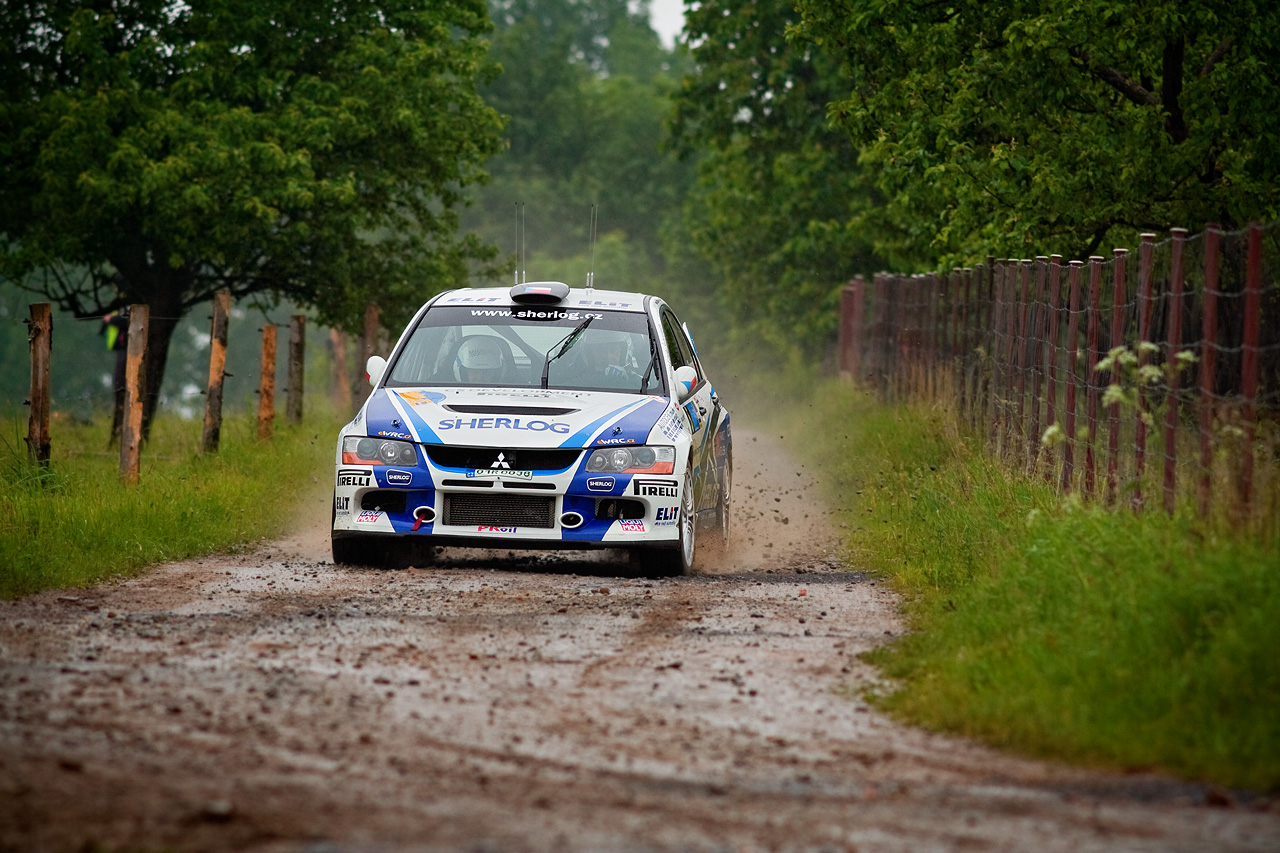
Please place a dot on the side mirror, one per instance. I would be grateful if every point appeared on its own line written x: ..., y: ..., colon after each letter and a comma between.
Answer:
x: 374, y: 368
x: 686, y: 378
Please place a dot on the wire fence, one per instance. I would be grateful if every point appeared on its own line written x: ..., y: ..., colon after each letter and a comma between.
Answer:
x: 1147, y: 381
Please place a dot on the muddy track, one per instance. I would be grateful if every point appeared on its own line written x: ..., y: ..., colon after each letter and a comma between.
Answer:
x: 502, y: 701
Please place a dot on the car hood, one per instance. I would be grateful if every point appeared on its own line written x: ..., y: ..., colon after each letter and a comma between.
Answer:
x: 532, y: 417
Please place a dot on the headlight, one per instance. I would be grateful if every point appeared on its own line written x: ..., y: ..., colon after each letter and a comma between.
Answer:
x: 632, y: 460
x: 364, y: 450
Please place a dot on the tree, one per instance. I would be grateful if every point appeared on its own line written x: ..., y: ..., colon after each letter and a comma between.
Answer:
x: 780, y: 197
x: 586, y: 84
x: 1015, y: 128
x: 311, y: 151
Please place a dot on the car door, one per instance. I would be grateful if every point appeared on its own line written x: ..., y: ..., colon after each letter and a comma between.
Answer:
x: 698, y: 408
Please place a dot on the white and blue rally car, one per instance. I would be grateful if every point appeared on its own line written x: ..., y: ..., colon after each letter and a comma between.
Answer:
x: 537, y: 416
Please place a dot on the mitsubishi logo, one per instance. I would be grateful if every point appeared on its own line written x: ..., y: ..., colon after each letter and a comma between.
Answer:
x: 502, y: 462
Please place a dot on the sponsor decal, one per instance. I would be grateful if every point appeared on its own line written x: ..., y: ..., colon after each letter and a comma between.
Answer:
x: 399, y: 478
x: 357, y: 477
x: 474, y: 299
x: 421, y: 398
x: 484, y: 528
x: 535, y: 314
x: 386, y: 433
x: 615, y: 441
x: 666, y: 515
x: 342, y: 505
x: 695, y: 420
x: 368, y: 516
x: 656, y: 488
x: 669, y: 425
x: 503, y: 423
x: 490, y: 472
x: 600, y: 484
x: 631, y: 526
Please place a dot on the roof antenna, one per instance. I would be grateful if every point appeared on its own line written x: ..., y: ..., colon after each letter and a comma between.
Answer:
x: 520, y: 255
x: 591, y: 275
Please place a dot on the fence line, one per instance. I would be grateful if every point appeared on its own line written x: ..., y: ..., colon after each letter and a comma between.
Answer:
x: 1044, y: 358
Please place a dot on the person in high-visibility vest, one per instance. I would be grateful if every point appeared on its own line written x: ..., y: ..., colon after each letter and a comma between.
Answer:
x: 115, y: 328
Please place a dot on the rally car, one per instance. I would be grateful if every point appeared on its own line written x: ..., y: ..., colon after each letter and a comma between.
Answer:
x: 536, y: 416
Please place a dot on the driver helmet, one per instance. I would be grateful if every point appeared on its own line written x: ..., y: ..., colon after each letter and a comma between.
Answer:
x: 480, y: 360
x: 608, y: 348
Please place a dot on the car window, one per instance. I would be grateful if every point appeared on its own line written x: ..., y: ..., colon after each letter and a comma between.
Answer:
x: 508, y: 347
x: 677, y: 344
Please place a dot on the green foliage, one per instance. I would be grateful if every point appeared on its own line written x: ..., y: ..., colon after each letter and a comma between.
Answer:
x: 1046, y: 625
x: 1020, y: 129
x: 586, y: 85
x: 74, y: 524
x: 155, y: 152
x: 780, y: 196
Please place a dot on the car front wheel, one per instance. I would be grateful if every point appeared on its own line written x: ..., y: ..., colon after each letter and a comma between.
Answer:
x: 670, y: 562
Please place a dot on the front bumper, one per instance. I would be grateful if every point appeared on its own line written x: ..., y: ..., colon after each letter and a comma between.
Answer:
x: 527, y: 509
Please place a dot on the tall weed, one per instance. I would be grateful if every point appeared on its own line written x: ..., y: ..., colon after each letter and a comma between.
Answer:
x: 1050, y: 625
x: 74, y: 523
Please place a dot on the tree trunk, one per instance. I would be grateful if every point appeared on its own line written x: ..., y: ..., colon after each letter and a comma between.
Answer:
x: 166, y: 313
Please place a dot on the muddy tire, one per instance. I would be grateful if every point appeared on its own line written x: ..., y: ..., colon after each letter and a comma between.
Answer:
x: 672, y: 562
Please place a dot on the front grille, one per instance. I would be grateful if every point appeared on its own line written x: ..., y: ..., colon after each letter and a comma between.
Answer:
x: 499, y: 511
x: 517, y: 459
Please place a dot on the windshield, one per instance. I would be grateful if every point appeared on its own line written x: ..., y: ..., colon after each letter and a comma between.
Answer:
x: 511, y: 347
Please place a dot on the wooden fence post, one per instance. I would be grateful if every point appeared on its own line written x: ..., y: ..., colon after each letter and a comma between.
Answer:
x: 368, y: 346
x: 1051, y: 359
x: 131, y: 428
x: 297, y: 358
x: 858, y: 325
x: 1208, y: 353
x: 217, y: 371
x: 1092, y: 392
x: 1073, y: 357
x: 1173, y: 369
x: 1037, y: 333
x: 1146, y: 251
x: 1010, y: 365
x: 267, y: 384
x: 341, y: 372
x: 1249, y: 365
x: 1119, y: 293
x: 1024, y: 317
x: 40, y: 343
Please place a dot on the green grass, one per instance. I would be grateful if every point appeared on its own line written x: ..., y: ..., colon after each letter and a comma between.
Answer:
x: 75, y: 524
x: 1046, y: 625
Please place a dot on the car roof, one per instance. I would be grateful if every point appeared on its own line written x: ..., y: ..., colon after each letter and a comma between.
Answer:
x: 579, y: 297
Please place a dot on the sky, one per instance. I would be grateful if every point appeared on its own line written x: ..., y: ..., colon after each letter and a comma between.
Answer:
x: 667, y: 19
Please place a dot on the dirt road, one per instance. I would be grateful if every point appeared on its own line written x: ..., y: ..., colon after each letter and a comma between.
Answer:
x: 497, y: 702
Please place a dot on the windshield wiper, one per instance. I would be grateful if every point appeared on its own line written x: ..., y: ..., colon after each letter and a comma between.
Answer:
x: 653, y: 362
x: 564, y: 343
